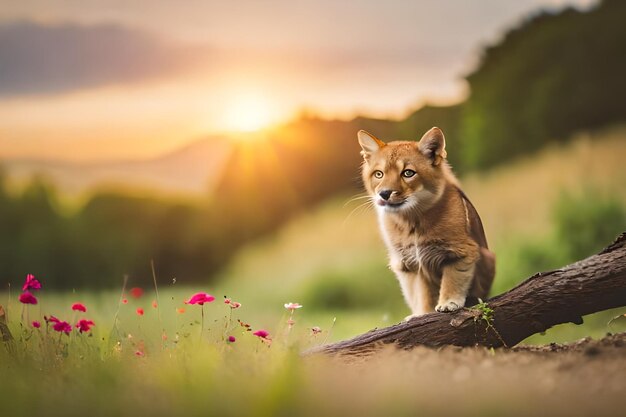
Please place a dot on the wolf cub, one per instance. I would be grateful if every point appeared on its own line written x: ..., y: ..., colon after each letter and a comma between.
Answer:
x: 435, y: 238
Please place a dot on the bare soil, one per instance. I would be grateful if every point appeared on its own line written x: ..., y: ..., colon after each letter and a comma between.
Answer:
x: 586, y: 378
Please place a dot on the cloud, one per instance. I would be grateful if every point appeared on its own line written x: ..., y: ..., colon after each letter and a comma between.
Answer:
x: 51, y: 59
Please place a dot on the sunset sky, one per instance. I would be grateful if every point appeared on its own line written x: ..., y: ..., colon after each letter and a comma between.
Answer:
x: 126, y: 79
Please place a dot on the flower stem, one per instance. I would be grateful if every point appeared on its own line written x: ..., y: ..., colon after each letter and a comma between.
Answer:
x: 202, y: 323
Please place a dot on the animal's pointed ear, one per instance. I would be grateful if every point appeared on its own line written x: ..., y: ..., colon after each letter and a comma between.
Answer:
x: 369, y: 144
x: 433, y: 145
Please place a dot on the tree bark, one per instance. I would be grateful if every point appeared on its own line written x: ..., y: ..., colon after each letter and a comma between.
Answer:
x: 546, y: 299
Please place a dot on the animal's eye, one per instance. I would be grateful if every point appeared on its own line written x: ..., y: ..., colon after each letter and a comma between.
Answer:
x: 378, y: 174
x: 408, y: 173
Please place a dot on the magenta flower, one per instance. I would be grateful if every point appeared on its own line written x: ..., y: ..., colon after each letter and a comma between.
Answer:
x: 79, y: 307
x: 200, y: 298
x: 60, y: 326
x: 84, y: 325
x: 27, y: 298
x: 36, y: 324
x: 31, y: 283
x: 231, y: 339
x: 263, y: 334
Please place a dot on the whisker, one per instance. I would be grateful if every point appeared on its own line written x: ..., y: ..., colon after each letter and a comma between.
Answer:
x: 362, y: 206
x: 356, y: 198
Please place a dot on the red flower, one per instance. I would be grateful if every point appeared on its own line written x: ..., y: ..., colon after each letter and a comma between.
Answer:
x: 79, y: 307
x: 136, y: 292
x: 60, y: 326
x: 36, y: 324
x: 200, y: 298
x: 124, y: 301
x: 27, y: 298
x: 84, y: 325
x: 31, y: 283
x: 154, y: 304
x: 263, y: 334
x: 140, y: 311
x: 51, y: 319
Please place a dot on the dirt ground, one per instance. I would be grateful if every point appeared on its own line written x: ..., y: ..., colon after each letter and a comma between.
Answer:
x: 586, y: 378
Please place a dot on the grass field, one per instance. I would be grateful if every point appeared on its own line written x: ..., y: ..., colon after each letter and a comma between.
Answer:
x: 176, y: 358
x: 125, y: 366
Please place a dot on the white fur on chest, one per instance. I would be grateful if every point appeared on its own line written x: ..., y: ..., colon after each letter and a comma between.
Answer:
x: 397, y: 255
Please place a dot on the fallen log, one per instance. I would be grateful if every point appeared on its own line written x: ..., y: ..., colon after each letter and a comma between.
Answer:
x: 546, y: 299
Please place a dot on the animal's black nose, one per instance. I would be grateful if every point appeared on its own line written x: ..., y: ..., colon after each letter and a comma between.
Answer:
x: 385, y: 194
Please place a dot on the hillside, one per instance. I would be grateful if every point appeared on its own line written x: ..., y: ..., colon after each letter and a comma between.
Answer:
x: 189, y: 169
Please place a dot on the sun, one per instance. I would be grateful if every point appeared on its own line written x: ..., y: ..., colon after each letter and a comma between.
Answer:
x: 247, y: 113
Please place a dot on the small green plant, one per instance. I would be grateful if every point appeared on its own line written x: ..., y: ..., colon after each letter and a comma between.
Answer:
x: 487, y: 314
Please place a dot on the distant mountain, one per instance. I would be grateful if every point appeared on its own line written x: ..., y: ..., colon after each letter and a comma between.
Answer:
x: 193, y: 168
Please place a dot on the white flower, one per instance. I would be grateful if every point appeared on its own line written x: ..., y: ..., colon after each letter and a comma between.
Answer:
x: 292, y: 306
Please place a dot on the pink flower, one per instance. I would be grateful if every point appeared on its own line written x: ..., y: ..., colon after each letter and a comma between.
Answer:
x: 200, y: 298
x: 27, y: 298
x: 31, y: 283
x: 60, y: 326
x: 231, y: 339
x: 139, y: 353
x: 292, y: 306
x: 232, y: 304
x: 36, y: 324
x: 263, y: 334
x: 84, y: 325
x: 79, y: 307
x: 140, y: 311
x: 51, y: 319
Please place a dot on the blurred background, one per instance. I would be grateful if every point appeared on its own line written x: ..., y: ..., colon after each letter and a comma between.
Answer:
x: 218, y: 139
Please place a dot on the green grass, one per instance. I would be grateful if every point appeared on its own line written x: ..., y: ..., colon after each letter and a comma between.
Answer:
x: 124, y: 366
x: 45, y: 373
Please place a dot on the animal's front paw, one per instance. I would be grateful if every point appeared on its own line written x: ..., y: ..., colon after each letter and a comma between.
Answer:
x: 449, y: 306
